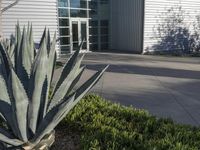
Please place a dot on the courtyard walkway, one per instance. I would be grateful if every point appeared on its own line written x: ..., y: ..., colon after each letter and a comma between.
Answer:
x: 165, y: 86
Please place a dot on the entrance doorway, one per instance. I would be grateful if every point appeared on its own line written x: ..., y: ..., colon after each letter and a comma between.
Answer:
x: 79, y: 28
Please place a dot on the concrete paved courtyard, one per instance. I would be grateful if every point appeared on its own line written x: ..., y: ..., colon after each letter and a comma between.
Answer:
x: 165, y: 86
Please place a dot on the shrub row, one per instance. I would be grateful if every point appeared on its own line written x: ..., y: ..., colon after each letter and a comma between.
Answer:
x: 107, y: 126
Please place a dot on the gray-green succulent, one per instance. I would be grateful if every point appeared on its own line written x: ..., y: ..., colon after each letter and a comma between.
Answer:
x: 28, y: 112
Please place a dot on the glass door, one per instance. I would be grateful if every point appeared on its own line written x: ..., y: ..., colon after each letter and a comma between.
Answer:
x: 79, y: 33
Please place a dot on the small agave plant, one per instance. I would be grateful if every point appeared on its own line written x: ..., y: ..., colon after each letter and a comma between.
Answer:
x: 29, y: 114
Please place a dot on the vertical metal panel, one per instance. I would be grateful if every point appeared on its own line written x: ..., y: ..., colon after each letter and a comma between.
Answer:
x: 155, y: 7
x: 41, y: 13
x: 127, y: 25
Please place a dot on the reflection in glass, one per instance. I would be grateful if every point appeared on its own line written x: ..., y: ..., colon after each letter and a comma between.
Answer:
x: 63, y: 12
x: 94, y: 39
x: 65, y: 49
x: 78, y: 3
x: 93, y: 47
x: 78, y: 13
x: 94, y: 31
x: 64, y: 31
x: 62, y: 3
x: 63, y: 22
x: 75, y: 31
x: 83, y: 31
x: 64, y: 41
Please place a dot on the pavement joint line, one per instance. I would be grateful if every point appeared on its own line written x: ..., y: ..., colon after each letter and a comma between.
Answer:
x: 175, y: 98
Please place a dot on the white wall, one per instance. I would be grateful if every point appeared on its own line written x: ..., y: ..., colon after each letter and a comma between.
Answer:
x: 154, y: 8
x: 40, y: 13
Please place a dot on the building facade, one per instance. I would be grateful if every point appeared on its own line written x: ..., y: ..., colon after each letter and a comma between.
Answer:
x: 114, y: 25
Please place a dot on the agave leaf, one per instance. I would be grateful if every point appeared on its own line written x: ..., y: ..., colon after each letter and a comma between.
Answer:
x: 12, y: 54
x: 51, y: 120
x: 80, y: 72
x: 24, y: 61
x: 18, y: 36
x: 80, y: 92
x: 52, y: 59
x: 64, y: 87
x: 32, y: 46
x: 48, y: 41
x: 57, y: 113
x: 38, y: 76
x: 28, y: 30
x: 50, y: 71
x: 6, y: 60
x: 19, y: 104
x: 44, y: 36
x: 67, y: 69
x: 9, y: 139
x: 5, y: 103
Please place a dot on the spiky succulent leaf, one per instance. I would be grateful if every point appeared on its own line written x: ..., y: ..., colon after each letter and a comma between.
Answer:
x: 19, y: 104
x: 24, y: 104
x: 66, y: 69
x: 24, y: 61
x: 5, y: 102
x: 44, y: 36
x: 48, y: 39
x: 38, y: 77
x: 64, y: 87
x: 50, y: 71
x: 51, y: 120
x: 80, y: 92
x: 31, y: 43
x: 6, y: 137
x: 57, y: 113
x: 78, y: 76
x: 6, y: 59
x: 18, y: 36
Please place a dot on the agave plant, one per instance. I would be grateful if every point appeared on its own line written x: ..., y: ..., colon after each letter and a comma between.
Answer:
x: 29, y: 114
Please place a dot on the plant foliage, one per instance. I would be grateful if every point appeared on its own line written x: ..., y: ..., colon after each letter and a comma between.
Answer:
x: 28, y: 112
x: 103, y: 125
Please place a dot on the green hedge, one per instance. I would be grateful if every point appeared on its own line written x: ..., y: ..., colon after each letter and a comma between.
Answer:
x: 107, y: 126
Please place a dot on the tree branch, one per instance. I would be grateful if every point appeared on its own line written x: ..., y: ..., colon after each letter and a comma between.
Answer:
x: 9, y: 6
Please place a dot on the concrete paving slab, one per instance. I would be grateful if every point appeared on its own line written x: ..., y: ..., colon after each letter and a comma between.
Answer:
x: 165, y: 86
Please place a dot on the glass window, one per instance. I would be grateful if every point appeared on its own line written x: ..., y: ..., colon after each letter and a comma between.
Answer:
x: 62, y: 3
x: 104, y: 30
x: 75, y: 31
x: 104, y: 46
x: 94, y: 47
x: 78, y: 3
x: 93, y: 5
x: 93, y: 39
x: 104, y: 1
x: 64, y: 41
x: 94, y: 31
x: 93, y: 13
x: 104, y: 39
x: 104, y: 23
x: 63, y: 12
x: 83, y: 31
x: 64, y: 22
x: 78, y: 13
x: 93, y: 23
x: 65, y: 49
x: 64, y: 31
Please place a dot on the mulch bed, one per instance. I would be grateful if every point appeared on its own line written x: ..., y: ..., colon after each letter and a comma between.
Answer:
x: 66, y: 140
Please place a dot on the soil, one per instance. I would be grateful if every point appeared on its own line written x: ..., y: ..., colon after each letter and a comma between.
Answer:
x: 66, y: 140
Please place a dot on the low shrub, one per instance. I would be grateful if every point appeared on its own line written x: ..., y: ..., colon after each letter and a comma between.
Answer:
x: 107, y: 126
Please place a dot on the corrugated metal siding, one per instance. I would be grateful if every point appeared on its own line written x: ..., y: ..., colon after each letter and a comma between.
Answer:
x: 127, y: 25
x: 40, y: 13
x: 154, y: 8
